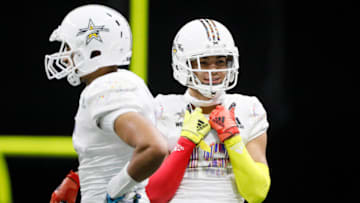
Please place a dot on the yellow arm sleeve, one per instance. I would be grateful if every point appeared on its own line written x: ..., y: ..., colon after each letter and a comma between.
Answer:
x: 252, y: 178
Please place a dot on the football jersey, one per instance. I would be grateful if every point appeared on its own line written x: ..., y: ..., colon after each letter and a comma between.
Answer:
x: 209, y: 176
x: 102, y: 154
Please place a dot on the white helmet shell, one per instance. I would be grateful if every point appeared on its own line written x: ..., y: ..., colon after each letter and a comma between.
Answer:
x: 92, y: 37
x: 201, y: 38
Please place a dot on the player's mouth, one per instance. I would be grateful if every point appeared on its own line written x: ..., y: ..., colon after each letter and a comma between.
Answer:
x: 215, y: 81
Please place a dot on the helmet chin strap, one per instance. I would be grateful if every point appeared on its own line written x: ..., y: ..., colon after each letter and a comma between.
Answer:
x: 217, y: 99
x: 210, y: 94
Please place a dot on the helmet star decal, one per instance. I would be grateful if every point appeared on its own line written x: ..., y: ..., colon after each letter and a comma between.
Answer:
x: 94, y: 32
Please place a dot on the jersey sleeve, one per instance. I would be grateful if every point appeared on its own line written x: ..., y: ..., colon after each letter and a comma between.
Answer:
x: 159, y: 110
x: 258, y: 119
x: 110, y: 98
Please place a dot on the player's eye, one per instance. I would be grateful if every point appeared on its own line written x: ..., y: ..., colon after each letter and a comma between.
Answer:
x: 221, y: 62
x: 203, y: 63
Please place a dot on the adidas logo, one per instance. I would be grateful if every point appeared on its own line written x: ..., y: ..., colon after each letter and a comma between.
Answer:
x: 201, y: 124
x: 238, y: 147
x: 219, y: 120
x: 178, y: 148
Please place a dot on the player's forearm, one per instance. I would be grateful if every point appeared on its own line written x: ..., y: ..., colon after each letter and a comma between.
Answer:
x: 252, y: 178
x: 165, y: 181
x: 146, y: 160
x: 150, y: 147
x: 150, y: 150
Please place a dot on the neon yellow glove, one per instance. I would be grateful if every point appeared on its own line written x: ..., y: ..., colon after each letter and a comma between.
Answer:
x: 252, y: 178
x: 195, y: 127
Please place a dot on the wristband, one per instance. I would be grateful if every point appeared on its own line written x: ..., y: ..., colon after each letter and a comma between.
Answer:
x: 121, y: 183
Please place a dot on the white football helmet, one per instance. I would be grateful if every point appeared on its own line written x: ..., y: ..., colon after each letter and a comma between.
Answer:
x: 91, y: 36
x: 201, y: 38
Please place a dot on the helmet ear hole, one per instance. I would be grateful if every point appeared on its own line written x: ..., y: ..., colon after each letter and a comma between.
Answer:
x: 95, y: 53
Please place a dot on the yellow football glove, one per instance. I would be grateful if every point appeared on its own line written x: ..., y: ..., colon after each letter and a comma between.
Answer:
x: 195, y: 127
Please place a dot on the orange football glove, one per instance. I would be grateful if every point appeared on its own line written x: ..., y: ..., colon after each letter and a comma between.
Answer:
x: 67, y: 190
x: 223, y: 121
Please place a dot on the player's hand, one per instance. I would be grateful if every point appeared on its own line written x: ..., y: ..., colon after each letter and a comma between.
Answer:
x: 67, y: 190
x: 195, y: 127
x: 116, y: 200
x: 223, y: 121
x: 122, y: 199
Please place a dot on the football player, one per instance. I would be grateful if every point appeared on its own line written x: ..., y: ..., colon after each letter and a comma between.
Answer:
x: 114, y: 134
x: 231, y: 166
x: 227, y: 163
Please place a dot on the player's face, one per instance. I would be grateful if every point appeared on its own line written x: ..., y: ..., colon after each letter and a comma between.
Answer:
x: 66, y: 61
x: 210, y: 63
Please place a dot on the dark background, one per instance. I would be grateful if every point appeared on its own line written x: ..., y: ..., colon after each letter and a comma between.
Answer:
x: 298, y: 58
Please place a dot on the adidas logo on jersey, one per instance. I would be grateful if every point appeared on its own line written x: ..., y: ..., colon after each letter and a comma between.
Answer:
x: 201, y: 124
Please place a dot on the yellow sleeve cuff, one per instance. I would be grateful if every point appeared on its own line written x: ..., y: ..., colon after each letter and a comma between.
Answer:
x: 252, y: 178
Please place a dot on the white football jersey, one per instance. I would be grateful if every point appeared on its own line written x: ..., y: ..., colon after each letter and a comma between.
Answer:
x: 209, y: 176
x: 102, y: 154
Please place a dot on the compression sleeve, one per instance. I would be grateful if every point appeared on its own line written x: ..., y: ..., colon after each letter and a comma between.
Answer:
x: 164, y: 182
x: 252, y: 178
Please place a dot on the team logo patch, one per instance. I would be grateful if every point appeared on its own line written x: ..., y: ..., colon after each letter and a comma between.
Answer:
x: 179, y: 118
x: 94, y: 32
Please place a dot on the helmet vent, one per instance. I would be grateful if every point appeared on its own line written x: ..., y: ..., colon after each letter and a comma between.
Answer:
x: 95, y: 53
